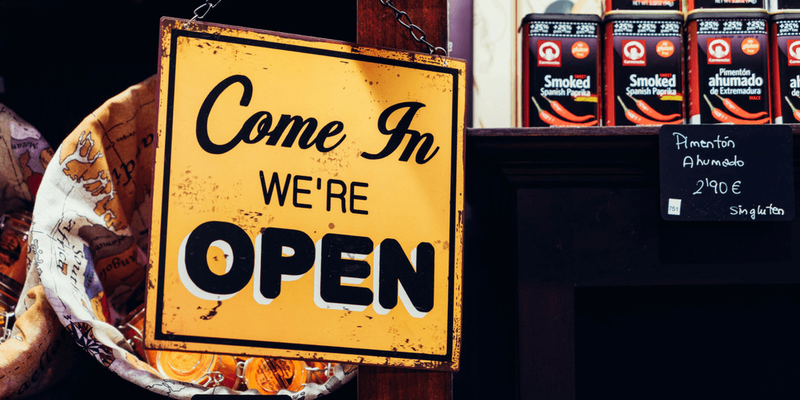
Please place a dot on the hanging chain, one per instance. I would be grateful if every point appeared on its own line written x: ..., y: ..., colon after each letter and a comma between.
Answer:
x: 201, y: 11
x: 403, y: 18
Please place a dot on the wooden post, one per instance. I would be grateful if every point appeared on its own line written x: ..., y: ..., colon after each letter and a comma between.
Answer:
x: 377, y: 26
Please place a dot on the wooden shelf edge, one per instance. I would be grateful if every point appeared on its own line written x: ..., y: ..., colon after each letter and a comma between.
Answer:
x: 589, y: 131
x: 625, y: 154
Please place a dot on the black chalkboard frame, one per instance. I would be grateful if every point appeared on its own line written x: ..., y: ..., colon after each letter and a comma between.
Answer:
x: 749, y: 175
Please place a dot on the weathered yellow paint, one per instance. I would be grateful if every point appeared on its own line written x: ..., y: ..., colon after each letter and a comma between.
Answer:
x: 345, y: 88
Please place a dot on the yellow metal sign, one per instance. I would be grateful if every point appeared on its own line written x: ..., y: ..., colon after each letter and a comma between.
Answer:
x: 308, y: 199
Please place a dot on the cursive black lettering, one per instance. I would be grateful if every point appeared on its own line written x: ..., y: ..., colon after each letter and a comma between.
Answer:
x: 261, y: 122
x: 402, y: 129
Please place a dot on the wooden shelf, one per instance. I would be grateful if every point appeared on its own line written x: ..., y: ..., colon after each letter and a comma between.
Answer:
x: 625, y: 154
x: 556, y: 210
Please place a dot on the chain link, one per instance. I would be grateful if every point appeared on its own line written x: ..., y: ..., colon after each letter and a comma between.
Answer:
x: 401, y: 16
x: 416, y: 32
x: 201, y: 11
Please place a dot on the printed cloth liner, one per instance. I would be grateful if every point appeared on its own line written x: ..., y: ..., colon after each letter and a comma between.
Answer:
x: 90, y: 234
x: 39, y: 351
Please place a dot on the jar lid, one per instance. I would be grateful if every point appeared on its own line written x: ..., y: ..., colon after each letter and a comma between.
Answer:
x: 269, y: 375
x: 185, y: 366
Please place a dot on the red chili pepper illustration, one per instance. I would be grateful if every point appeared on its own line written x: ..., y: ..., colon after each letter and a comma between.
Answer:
x: 560, y: 110
x: 739, y: 111
x: 795, y: 111
x: 637, y: 119
x: 720, y: 116
x: 652, y: 113
x: 552, y: 120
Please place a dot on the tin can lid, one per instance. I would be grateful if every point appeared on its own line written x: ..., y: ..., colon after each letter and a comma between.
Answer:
x: 185, y: 366
x: 561, y: 17
x: 269, y: 375
x: 784, y: 15
x: 728, y: 13
x: 625, y: 15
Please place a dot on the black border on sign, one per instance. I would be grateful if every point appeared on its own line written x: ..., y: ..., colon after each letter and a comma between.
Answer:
x: 160, y: 335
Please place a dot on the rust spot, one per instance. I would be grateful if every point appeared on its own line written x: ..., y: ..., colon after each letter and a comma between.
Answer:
x: 331, y: 225
x: 211, y: 313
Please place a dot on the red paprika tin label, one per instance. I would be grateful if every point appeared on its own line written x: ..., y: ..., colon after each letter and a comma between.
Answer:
x: 643, y: 5
x: 644, y: 69
x: 728, y: 67
x: 692, y: 5
x: 785, y: 59
x: 561, y: 69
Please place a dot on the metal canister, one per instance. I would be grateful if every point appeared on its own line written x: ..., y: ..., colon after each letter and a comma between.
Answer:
x: 785, y: 64
x: 269, y: 375
x: 644, y: 68
x: 728, y: 67
x: 561, y: 70
x: 643, y: 5
x: 14, y: 229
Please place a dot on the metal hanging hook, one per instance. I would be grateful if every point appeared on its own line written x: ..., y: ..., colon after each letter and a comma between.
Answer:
x: 201, y: 11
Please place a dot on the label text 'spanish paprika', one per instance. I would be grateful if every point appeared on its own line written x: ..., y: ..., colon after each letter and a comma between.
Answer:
x: 561, y: 70
x: 644, y: 68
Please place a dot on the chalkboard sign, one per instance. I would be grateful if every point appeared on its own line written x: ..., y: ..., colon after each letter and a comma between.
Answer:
x: 726, y: 173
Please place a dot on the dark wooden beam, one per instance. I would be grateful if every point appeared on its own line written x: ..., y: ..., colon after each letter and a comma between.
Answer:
x: 403, y: 384
x: 377, y: 25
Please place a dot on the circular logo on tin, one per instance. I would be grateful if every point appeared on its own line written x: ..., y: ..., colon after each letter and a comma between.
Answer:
x: 750, y: 46
x: 580, y: 50
x: 665, y: 48
x: 549, y: 51
x: 719, y: 48
x: 794, y: 49
x: 633, y: 50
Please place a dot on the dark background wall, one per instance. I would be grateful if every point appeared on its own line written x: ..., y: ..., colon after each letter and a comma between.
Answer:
x: 60, y: 60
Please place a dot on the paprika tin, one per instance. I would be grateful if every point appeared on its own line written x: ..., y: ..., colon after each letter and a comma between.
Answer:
x: 728, y: 67
x: 785, y: 59
x: 643, y: 55
x: 561, y: 70
x: 643, y: 5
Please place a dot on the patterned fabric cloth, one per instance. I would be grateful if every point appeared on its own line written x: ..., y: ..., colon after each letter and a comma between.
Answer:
x: 24, y: 154
x: 38, y: 351
x: 90, y: 235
